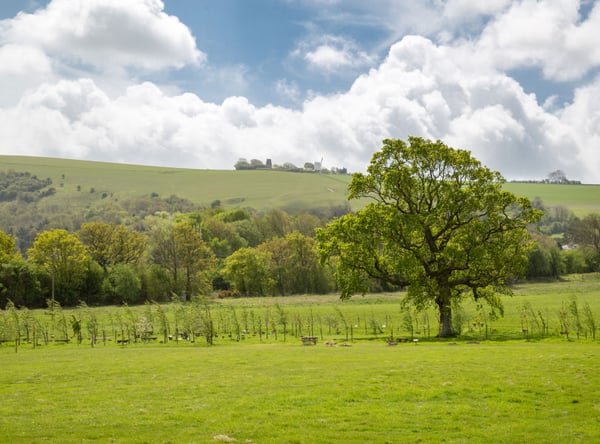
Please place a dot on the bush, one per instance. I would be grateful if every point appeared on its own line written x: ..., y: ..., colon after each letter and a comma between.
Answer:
x: 223, y: 294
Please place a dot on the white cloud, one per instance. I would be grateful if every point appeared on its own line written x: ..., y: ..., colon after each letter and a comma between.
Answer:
x: 582, y: 117
x: 545, y: 34
x: 110, y: 41
x: 19, y: 60
x: 71, y: 98
x: 420, y: 89
x: 21, y: 67
x: 105, y: 34
x: 331, y: 54
x: 328, y: 58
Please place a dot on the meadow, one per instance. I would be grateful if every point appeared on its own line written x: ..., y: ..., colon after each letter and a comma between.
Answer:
x: 509, y: 386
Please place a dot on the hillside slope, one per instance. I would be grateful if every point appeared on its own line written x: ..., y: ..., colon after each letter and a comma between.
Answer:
x: 74, y: 179
x: 84, y: 183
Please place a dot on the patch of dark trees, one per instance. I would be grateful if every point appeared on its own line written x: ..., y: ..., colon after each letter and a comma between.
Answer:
x: 24, y: 187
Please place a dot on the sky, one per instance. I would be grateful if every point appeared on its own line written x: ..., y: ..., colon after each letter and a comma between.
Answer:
x: 203, y: 83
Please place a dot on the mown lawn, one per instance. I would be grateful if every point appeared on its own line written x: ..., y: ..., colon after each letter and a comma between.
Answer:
x: 514, y: 391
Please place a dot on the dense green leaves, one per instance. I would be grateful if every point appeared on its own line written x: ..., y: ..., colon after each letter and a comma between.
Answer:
x: 295, y: 266
x: 248, y: 270
x: 586, y: 232
x: 439, y: 223
x: 64, y: 258
x: 23, y: 186
x: 111, y: 244
x: 149, y: 248
x: 180, y: 249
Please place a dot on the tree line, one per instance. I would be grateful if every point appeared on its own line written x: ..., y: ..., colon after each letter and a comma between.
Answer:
x: 169, y: 256
x: 226, y: 253
x: 23, y: 186
x: 564, y: 244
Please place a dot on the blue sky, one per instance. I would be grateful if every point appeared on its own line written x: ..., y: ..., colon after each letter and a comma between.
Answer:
x: 199, y: 83
x: 259, y: 37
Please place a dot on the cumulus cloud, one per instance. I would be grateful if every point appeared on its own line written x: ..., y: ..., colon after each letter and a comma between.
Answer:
x: 331, y: 54
x: 21, y: 67
x: 102, y: 33
x: 429, y: 95
x: 549, y: 35
x: 583, y: 118
x: 421, y: 90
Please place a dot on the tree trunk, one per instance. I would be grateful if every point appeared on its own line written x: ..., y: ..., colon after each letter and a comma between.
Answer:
x: 445, y: 309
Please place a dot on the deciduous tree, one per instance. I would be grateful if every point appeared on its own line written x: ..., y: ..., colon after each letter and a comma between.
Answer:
x: 180, y: 249
x: 7, y: 247
x: 248, y: 269
x: 110, y: 244
x: 439, y: 223
x: 586, y: 232
x: 295, y: 265
x: 63, y: 256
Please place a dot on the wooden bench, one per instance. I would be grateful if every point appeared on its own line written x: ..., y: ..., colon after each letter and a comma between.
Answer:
x: 309, y: 340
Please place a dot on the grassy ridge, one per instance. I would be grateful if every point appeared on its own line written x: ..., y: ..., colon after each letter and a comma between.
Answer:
x: 255, y: 189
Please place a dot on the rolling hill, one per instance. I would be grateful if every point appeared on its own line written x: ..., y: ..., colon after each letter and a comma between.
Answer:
x: 85, y: 184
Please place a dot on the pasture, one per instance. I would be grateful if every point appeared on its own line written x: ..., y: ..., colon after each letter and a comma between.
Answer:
x: 538, y: 386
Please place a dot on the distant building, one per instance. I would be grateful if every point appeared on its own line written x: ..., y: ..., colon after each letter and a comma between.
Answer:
x: 269, y: 165
x: 317, y: 166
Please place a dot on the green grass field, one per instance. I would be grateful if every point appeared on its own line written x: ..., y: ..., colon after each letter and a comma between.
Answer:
x: 490, y: 392
x: 255, y: 189
x: 507, y: 389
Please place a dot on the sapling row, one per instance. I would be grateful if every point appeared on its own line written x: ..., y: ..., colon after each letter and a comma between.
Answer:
x: 214, y: 322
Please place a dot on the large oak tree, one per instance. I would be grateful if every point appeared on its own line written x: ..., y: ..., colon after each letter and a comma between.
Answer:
x: 438, y: 223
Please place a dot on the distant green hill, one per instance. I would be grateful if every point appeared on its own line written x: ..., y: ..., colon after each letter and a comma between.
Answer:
x: 581, y: 199
x: 258, y: 189
x: 85, y: 184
